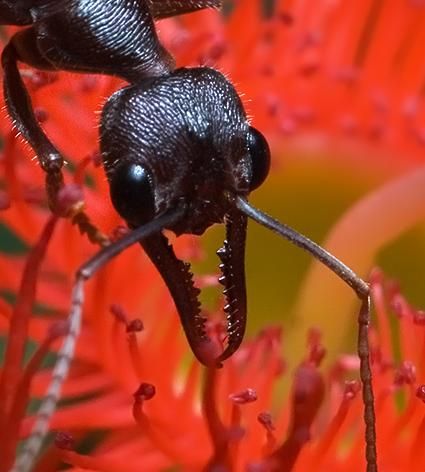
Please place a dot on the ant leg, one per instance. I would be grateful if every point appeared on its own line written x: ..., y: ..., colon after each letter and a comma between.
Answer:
x: 167, y: 8
x: 20, y: 108
x: 22, y: 48
x: 34, y: 442
x: 362, y: 290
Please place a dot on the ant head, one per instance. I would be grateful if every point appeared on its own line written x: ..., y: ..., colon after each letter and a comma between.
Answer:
x: 181, y: 138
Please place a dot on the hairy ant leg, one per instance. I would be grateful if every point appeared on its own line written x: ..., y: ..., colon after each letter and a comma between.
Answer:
x: 18, y: 102
x: 20, y: 108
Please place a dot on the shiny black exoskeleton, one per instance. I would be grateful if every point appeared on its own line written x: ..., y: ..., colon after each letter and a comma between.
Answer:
x: 172, y: 137
x: 179, y: 154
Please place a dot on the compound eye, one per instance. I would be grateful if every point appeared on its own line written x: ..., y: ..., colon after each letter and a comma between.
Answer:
x: 259, y: 152
x: 132, y: 194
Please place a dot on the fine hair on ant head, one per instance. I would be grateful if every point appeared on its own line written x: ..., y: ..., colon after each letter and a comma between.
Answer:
x: 179, y: 154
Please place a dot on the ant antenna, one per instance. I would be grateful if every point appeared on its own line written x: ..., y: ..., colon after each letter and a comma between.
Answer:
x: 362, y: 290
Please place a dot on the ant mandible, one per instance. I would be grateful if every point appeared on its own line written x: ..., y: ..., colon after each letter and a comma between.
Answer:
x: 178, y: 152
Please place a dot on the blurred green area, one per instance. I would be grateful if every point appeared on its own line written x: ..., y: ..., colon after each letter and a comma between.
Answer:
x: 10, y: 243
x: 310, y: 194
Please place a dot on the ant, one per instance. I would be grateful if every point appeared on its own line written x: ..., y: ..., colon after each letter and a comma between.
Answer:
x: 179, y: 154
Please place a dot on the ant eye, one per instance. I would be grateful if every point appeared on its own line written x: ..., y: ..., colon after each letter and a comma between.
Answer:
x: 259, y: 152
x: 131, y: 194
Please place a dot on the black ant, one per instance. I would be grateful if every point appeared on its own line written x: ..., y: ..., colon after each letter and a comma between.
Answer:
x: 178, y: 152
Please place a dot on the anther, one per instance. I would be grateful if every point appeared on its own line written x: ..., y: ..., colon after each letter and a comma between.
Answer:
x: 146, y: 391
x: 246, y: 396
x: 64, y: 440
x: 420, y: 392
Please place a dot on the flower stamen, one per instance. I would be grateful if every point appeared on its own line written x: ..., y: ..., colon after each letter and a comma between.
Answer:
x: 18, y: 329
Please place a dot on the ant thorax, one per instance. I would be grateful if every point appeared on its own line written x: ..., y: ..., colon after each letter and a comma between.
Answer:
x: 188, y: 131
x: 114, y: 37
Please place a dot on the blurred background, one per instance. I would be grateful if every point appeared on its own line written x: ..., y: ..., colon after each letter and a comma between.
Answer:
x: 337, y: 88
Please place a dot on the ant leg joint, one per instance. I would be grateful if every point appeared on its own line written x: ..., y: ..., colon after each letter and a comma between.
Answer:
x: 52, y: 162
x: 83, y: 274
x: 362, y: 290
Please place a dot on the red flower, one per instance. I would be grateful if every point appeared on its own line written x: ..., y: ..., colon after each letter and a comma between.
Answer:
x: 342, y: 79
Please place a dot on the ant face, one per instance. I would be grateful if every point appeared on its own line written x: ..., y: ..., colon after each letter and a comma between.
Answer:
x: 180, y: 138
